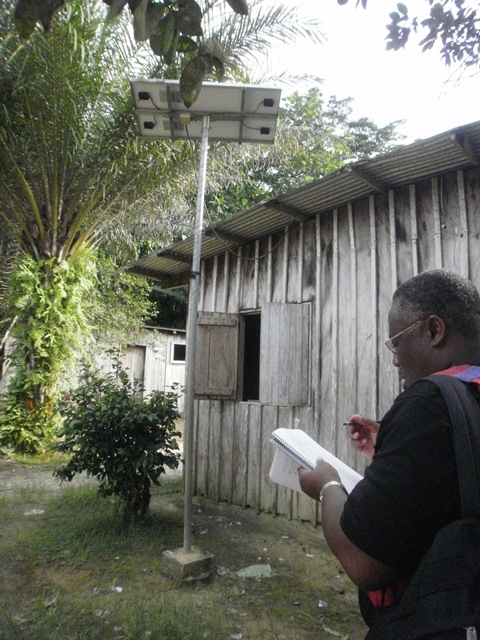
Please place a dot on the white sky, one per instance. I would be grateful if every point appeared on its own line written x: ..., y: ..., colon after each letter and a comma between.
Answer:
x: 385, y: 85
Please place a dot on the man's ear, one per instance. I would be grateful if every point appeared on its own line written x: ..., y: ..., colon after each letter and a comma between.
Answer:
x: 436, y: 329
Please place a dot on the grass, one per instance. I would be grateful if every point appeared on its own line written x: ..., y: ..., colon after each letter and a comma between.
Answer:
x: 71, y: 570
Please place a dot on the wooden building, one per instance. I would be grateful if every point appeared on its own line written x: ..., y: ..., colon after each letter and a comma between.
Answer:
x: 156, y: 360
x: 295, y: 293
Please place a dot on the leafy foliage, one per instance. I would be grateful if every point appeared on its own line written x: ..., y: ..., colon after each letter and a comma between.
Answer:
x: 24, y: 428
x: 70, y: 160
x: 186, y: 35
x: 117, y: 294
x: 313, y: 138
x: 453, y: 24
x: 71, y: 168
x: 114, y: 435
x: 48, y: 300
x: 171, y: 307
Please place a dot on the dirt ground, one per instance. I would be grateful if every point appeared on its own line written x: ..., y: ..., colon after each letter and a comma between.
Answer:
x: 295, y: 577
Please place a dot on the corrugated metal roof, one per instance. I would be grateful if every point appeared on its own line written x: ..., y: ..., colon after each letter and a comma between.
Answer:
x: 455, y: 149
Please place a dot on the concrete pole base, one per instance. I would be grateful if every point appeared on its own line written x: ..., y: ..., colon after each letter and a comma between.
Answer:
x: 195, y: 565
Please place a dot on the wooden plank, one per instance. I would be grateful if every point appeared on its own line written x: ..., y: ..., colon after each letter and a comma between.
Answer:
x: 302, y: 507
x: 360, y: 395
x: 293, y: 383
x: 226, y: 282
x: 462, y: 230
x: 197, y: 447
x: 305, y: 351
x: 284, y: 288
x: 255, y: 275
x: 449, y: 220
x: 329, y: 434
x: 414, y: 227
x: 278, y: 264
x: 294, y: 263
x: 214, y: 285
x: 346, y: 341
x: 281, y: 496
x: 240, y: 450
x: 269, y: 359
x: 388, y: 376
x: 327, y: 331
x: 454, y: 223
x: 301, y: 239
x: 268, y: 293
x: 214, y: 452
x: 393, y: 259
x: 472, y: 201
x: 202, y: 443
x: 248, y: 288
x: 437, y: 224
x: 227, y: 465
x: 238, y: 283
x: 317, y: 330
x: 266, y: 488
x: 393, y: 239
x: 403, y: 234
x: 309, y: 261
x: 264, y: 282
x: 284, y: 381
x: 373, y: 305
x: 254, y: 455
x: 425, y: 217
x: 203, y: 287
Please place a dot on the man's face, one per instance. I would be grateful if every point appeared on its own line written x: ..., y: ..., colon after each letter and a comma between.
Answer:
x: 414, y: 356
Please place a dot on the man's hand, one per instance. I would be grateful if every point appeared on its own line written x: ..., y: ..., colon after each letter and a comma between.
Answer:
x: 363, y: 435
x: 311, y: 481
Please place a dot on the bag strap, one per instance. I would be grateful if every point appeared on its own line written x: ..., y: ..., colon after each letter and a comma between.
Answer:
x: 465, y: 417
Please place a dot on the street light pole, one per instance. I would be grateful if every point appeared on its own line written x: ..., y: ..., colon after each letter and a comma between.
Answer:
x: 192, y: 338
x: 226, y: 113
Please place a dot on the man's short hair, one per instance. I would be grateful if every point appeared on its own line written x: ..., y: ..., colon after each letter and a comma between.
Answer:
x: 442, y: 293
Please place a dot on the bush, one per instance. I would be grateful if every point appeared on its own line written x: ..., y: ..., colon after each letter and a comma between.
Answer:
x: 114, y: 435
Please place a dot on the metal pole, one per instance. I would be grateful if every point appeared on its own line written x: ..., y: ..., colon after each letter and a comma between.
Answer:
x: 192, y: 339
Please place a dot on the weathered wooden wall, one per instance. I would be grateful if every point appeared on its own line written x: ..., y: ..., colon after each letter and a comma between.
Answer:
x: 346, y: 263
x: 150, y: 361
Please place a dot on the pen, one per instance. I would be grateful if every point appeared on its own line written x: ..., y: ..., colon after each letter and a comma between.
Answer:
x: 352, y: 424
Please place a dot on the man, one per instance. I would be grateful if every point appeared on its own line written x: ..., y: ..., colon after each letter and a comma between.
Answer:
x: 381, y: 531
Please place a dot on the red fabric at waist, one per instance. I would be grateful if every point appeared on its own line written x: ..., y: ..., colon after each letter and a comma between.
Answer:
x: 390, y: 595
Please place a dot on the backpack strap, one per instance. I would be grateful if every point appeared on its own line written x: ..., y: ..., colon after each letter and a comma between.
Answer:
x: 465, y: 417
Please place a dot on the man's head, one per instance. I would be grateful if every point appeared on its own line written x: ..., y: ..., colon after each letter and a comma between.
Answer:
x: 444, y: 308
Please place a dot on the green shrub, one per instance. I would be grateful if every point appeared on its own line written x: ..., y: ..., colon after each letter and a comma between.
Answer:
x: 115, y: 436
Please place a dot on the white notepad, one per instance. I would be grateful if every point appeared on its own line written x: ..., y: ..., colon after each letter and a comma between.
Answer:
x: 294, y: 448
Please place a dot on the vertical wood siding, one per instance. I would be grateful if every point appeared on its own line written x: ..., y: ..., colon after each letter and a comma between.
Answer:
x: 345, y: 263
x: 150, y: 362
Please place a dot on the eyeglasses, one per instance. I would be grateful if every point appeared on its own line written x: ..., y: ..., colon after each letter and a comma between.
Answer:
x: 389, y: 343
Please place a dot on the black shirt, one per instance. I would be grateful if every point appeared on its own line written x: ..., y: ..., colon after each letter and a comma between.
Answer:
x: 410, y: 489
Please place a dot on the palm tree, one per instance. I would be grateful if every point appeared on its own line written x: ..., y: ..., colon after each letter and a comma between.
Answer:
x: 73, y: 170
x: 71, y: 167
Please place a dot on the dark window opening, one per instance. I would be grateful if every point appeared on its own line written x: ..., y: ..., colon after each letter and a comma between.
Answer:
x: 178, y: 352
x: 251, y: 358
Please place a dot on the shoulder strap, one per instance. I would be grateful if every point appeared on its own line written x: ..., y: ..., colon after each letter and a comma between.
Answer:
x: 465, y: 416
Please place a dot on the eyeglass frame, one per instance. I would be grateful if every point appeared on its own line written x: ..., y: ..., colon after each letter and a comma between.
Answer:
x: 389, y: 343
